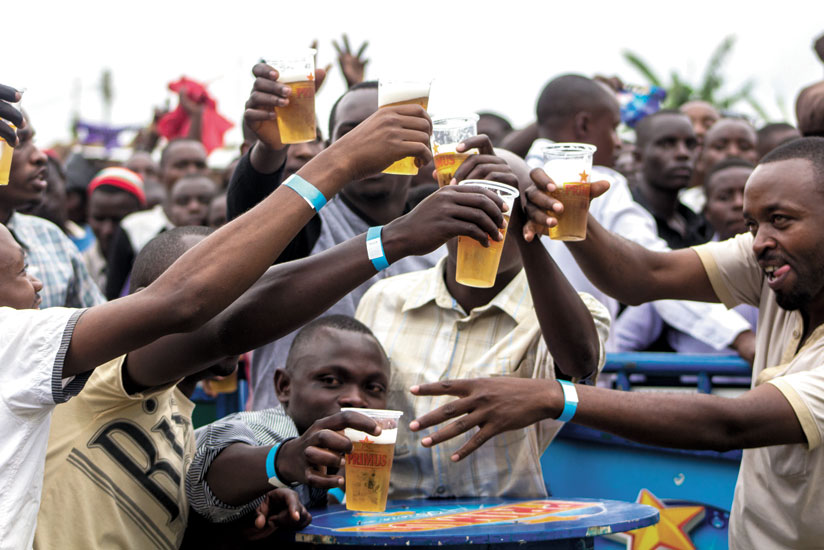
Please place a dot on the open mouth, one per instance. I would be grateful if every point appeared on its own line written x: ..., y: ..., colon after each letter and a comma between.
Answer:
x: 776, y: 274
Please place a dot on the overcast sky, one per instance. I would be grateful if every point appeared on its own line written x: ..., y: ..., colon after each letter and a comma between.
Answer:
x: 483, y: 55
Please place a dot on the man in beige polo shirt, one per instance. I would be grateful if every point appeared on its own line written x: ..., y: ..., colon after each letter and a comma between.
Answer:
x: 777, y: 266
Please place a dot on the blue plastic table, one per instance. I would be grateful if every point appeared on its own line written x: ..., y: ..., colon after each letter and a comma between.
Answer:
x: 476, y: 523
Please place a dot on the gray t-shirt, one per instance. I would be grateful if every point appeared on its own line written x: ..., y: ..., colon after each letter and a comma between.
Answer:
x: 339, y: 223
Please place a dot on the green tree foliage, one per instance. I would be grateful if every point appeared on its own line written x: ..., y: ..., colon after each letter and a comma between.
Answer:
x: 709, y: 89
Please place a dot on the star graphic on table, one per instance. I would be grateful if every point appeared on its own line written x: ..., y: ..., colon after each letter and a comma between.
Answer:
x: 670, y: 533
x: 584, y: 176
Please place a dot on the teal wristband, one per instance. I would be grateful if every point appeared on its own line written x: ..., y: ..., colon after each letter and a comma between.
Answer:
x: 374, y: 248
x: 306, y: 190
x: 271, y: 466
x: 570, y: 401
x: 338, y: 493
x: 270, y: 460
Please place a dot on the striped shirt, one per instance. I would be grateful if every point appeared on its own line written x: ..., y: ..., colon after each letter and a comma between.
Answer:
x: 55, y: 260
x: 428, y: 337
x: 256, y: 428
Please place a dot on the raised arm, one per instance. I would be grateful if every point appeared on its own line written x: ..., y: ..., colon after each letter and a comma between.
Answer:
x: 625, y: 270
x: 291, y: 294
x: 210, y: 276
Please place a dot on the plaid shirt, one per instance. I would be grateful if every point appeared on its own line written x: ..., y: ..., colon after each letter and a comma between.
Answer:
x: 428, y: 337
x: 55, y: 260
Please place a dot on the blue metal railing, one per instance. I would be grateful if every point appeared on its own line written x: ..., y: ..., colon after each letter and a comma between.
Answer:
x: 704, y: 367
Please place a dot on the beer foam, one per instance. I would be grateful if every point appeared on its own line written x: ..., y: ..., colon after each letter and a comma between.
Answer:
x: 293, y: 75
x: 395, y: 94
x: 386, y: 437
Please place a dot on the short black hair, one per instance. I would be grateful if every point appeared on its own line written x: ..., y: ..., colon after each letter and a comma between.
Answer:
x: 725, y: 164
x: 365, y: 85
x: 644, y: 126
x: 160, y: 253
x: 567, y: 95
x: 806, y: 148
x: 306, y: 335
x: 164, y: 155
x: 486, y: 114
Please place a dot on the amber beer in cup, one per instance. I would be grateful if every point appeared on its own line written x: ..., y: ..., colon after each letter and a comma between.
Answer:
x: 478, y: 266
x: 296, y: 121
x: 6, y: 152
x: 447, y: 133
x: 369, y: 464
x: 403, y: 92
x: 570, y: 166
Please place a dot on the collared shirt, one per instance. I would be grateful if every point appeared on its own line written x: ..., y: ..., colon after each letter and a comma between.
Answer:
x: 779, y: 497
x: 54, y: 260
x: 33, y: 346
x: 619, y: 213
x: 428, y: 337
x: 255, y: 428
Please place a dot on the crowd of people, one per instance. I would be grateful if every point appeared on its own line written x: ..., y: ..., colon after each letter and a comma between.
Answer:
x: 123, y: 286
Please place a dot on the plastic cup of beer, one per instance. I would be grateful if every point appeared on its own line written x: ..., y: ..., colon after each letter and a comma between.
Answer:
x: 369, y: 464
x: 403, y: 92
x: 296, y: 121
x: 447, y: 133
x: 478, y: 266
x: 6, y: 152
x: 570, y: 167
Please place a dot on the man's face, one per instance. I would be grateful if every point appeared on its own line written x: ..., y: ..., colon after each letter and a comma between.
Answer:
x: 728, y: 138
x: 143, y: 165
x: 340, y: 369
x: 190, y: 200
x: 354, y: 108
x: 184, y: 158
x: 782, y: 209
x: 18, y: 289
x: 27, y: 176
x: 217, y: 211
x: 725, y: 201
x: 702, y: 115
x: 106, y: 210
x: 668, y: 158
x: 602, y: 133
x: 299, y: 154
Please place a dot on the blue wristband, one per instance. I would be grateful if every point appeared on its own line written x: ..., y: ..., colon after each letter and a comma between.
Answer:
x: 271, y: 466
x: 270, y: 460
x: 570, y: 401
x: 374, y: 248
x: 338, y: 493
x: 306, y: 190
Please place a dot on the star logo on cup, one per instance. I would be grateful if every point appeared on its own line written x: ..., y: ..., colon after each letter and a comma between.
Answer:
x: 310, y: 77
x: 584, y: 176
x: 366, y: 439
x: 435, y: 148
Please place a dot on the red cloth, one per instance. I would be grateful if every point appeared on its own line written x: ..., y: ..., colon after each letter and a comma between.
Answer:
x: 176, y: 123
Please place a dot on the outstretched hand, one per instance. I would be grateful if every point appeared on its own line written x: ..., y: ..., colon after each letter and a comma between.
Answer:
x: 493, y: 405
x: 268, y: 93
x: 307, y: 459
x: 485, y: 165
x: 536, y: 201
x: 388, y: 135
x: 352, y: 65
x: 280, y: 509
x: 447, y: 213
x: 9, y: 114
